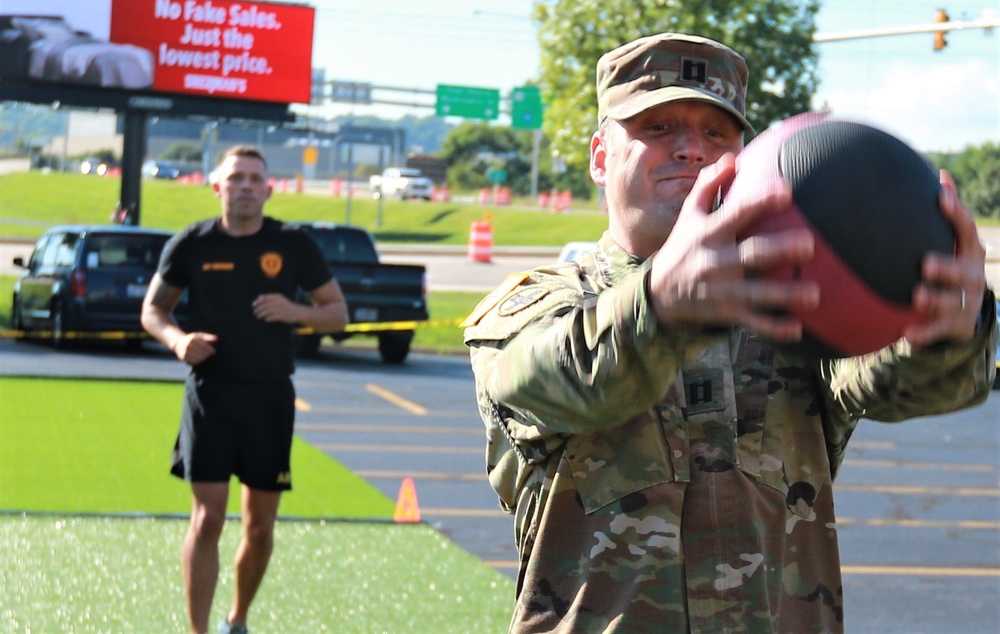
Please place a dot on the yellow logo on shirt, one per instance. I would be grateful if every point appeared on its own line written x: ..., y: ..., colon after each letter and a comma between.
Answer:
x: 271, y: 263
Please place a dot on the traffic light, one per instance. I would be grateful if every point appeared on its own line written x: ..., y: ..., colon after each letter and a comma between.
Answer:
x: 939, y: 42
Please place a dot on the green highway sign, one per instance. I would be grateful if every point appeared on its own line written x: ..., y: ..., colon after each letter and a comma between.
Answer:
x: 526, y: 108
x: 467, y: 102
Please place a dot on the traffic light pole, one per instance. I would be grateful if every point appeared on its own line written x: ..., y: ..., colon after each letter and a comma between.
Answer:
x: 934, y: 27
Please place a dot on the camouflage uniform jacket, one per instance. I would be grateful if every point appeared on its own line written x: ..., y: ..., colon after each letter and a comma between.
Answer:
x: 677, y: 480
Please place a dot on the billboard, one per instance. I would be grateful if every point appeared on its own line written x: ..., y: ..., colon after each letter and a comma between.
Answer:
x: 254, y: 51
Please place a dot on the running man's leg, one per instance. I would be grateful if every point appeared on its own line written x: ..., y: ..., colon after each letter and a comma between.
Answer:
x: 260, y: 509
x: 200, y: 554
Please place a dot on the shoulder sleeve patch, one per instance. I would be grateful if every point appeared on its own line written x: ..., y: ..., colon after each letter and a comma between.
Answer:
x: 521, y: 299
x: 541, y: 296
x: 487, y: 303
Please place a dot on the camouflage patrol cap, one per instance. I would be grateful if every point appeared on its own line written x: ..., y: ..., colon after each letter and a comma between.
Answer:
x: 669, y: 67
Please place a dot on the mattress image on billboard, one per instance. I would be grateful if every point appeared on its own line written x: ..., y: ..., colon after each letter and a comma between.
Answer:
x: 47, y: 48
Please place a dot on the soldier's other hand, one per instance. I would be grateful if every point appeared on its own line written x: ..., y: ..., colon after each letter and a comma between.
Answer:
x: 706, y: 273
x: 952, y: 289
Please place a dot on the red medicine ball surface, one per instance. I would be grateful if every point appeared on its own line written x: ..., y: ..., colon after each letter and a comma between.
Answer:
x: 872, y: 203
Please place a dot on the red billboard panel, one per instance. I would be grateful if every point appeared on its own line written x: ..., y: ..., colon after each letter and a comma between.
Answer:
x: 259, y: 51
x: 220, y: 48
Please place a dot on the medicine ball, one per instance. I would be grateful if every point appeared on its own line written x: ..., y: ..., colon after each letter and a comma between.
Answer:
x: 872, y: 204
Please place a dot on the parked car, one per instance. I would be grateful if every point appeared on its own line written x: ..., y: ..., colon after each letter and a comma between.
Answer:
x: 160, y: 169
x: 168, y: 169
x: 572, y: 250
x: 376, y: 293
x: 95, y: 166
x: 83, y: 280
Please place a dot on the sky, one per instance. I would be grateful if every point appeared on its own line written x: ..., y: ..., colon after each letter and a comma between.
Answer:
x: 935, y: 101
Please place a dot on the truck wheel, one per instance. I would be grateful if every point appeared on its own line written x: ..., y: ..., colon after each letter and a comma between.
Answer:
x: 307, y: 345
x: 394, y: 346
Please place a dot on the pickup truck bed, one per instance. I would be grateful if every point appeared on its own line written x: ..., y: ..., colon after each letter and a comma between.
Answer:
x: 377, y: 294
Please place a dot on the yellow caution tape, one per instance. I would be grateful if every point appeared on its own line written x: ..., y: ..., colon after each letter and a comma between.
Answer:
x: 388, y: 325
x: 113, y: 335
x: 118, y: 335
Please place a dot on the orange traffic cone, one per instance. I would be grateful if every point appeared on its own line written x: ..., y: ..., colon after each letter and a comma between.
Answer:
x: 407, y: 509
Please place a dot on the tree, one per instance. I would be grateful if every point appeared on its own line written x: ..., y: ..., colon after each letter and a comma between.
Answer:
x: 976, y: 171
x: 180, y: 151
x: 423, y: 134
x: 982, y: 193
x: 774, y: 36
x: 472, y: 149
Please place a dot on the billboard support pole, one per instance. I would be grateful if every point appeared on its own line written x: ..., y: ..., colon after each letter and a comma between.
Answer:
x: 133, y: 153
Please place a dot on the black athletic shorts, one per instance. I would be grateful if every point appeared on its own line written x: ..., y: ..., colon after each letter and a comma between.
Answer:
x: 236, y: 427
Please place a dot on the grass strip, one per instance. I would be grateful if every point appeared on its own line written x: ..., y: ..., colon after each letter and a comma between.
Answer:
x: 33, y: 201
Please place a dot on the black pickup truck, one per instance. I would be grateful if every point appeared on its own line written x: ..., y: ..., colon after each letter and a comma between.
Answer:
x: 376, y: 293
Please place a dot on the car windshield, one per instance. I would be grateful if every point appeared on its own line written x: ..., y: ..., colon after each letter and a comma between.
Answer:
x: 125, y: 250
x: 345, y: 246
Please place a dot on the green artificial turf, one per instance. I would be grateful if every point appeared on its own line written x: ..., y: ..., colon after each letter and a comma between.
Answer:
x: 104, y: 447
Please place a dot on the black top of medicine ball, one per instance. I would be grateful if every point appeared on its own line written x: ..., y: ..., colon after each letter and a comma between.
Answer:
x: 872, y: 198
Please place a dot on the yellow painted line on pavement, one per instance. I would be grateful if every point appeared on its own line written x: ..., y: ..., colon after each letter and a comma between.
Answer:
x: 871, y: 444
x: 911, y: 464
x: 915, y: 523
x: 472, y: 451
x: 394, y: 429
x: 495, y: 563
x: 421, y: 475
x: 917, y: 490
x: 464, y: 512
x: 899, y: 571
x: 396, y: 400
x: 921, y: 571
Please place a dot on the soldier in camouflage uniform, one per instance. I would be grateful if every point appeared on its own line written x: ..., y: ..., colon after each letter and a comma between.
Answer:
x: 667, y: 469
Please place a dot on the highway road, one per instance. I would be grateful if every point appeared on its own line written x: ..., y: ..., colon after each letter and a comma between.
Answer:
x: 919, y: 503
x: 450, y: 268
